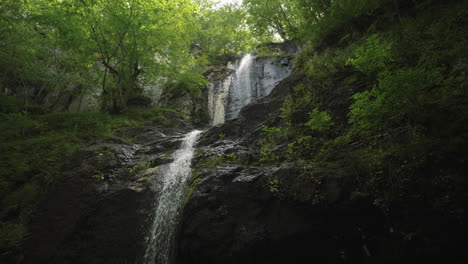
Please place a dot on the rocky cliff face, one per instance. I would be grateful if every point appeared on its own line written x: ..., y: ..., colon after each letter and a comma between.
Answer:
x: 239, y: 83
x: 191, y: 104
x: 239, y: 211
x: 100, y: 210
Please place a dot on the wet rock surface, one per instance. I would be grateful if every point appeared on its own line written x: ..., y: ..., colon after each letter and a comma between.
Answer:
x: 100, y: 210
x: 234, y: 85
x: 252, y: 117
x: 241, y: 212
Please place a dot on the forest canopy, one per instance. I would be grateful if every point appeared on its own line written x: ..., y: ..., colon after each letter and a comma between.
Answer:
x: 116, y: 43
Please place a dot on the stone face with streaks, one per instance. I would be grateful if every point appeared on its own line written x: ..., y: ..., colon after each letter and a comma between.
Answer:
x: 101, y: 208
x: 236, y: 85
x: 242, y: 212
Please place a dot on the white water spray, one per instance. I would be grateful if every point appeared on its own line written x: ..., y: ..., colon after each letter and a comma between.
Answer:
x: 159, y: 244
x: 241, y: 93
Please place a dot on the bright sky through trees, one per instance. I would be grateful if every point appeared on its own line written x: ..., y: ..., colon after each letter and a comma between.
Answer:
x: 223, y: 2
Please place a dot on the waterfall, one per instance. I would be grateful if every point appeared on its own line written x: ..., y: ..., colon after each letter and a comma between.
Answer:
x: 252, y: 77
x: 159, y: 244
x: 241, y: 92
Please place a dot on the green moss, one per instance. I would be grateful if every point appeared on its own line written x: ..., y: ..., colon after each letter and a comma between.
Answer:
x: 198, y: 153
x: 233, y: 157
x: 213, y: 162
x: 191, y: 189
x: 139, y: 167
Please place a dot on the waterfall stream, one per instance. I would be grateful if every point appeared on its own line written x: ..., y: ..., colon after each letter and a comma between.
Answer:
x: 159, y: 244
x: 241, y: 93
x: 250, y: 78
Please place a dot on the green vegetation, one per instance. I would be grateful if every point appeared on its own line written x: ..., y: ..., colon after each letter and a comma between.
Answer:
x: 191, y: 189
x: 271, y: 137
x: 114, y: 47
x: 274, y: 185
x: 139, y: 167
x: 36, y: 144
x: 221, y: 136
x: 208, y: 163
x: 223, y: 32
x: 272, y: 17
x: 384, y: 101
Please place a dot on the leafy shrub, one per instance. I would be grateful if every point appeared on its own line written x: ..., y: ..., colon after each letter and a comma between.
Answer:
x: 319, y: 121
x: 190, y: 81
x: 372, y: 56
x: 270, y: 138
x: 399, y: 97
x: 274, y: 185
x: 295, y: 108
x: 326, y: 64
x: 302, y: 147
x: 337, y: 19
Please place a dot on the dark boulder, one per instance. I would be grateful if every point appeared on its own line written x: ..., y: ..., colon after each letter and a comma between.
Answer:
x: 251, y: 215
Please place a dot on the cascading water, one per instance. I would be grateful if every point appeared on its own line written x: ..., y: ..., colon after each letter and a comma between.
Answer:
x: 241, y: 92
x: 251, y: 78
x: 159, y: 244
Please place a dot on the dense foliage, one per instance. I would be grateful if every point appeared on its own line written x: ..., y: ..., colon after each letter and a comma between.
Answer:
x: 223, y: 32
x: 113, y: 48
x: 383, y: 106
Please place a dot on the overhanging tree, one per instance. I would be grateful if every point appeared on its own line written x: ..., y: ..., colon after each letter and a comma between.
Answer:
x: 135, y: 37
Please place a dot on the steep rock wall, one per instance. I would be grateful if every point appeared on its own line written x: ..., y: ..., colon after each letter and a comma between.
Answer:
x: 100, y: 210
x: 249, y: 78
x: 239, y: 211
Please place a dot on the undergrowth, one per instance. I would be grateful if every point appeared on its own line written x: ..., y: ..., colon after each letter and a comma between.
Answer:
x: 34, y: 147
x: 388, y: 108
